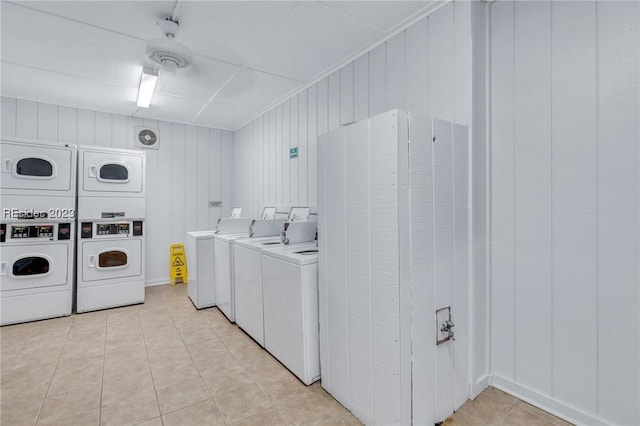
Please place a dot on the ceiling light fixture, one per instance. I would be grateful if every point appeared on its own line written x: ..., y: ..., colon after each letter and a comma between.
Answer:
x: 148, y: 82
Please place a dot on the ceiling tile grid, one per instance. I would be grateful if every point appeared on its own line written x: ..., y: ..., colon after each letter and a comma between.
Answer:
x: 246, y: 55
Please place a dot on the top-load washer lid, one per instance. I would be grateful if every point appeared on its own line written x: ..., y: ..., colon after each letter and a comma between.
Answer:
x: 298, y: 254
x: 257, y: 243
x: 231, y: 237
x: 199, y: 235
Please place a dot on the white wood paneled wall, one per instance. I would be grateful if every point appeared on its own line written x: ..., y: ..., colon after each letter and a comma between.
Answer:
x: 193, y: 165
x: 424, y: 69
x: 565, y: 206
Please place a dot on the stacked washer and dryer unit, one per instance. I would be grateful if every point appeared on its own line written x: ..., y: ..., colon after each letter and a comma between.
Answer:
x: 111, y: 228
x: 37, y: 194
x: 45, y: 188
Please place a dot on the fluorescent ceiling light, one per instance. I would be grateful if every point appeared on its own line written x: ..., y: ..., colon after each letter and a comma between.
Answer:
x: 147, y: 86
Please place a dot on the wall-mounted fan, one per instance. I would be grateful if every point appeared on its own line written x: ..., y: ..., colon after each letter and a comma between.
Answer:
x: 147, y: 138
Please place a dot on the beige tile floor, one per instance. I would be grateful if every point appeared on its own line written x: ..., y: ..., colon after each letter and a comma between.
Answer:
x: 165, y: 363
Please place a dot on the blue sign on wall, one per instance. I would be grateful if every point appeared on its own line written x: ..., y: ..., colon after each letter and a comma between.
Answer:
x: 293, y: 152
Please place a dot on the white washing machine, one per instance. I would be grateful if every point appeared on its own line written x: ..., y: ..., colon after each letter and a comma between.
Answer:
x: 247, y: 267
x: 110, y: 267
x: 36, y: 270
x: 290, y: 300
x: 223, y: 273
x: 199, y: 250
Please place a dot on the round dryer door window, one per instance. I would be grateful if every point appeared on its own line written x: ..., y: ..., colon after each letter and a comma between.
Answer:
x: 32, y: 265
x: 112, y: 258
x: 36, y: 167
x: 114, y: 172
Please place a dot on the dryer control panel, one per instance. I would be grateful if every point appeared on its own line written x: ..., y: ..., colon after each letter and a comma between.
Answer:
x: 16, y: 232
x: 111, y: 229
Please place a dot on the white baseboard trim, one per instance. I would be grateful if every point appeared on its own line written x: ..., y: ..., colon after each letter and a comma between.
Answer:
x: 545, y: 403
x: 160, y: 281
x: 480, y: 385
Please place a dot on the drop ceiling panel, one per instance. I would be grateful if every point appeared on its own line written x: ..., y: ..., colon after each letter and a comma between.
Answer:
x: 229, y: 30
x: 199, y: 81
x: 170, y: 108
x: 33, y: 38
x: 45, y: 86
x: 313, y: 38
x: 223, y: 116
x: 134, y: 18
x: 381, y: 14
x: 254, y: 90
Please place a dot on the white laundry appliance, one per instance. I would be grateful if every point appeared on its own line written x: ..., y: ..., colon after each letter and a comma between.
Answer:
x: 290, y: 301
x: 228, y: 231
x: 36, y: 270
x: 111, y: 236
x: 37, y: 195
x: 38, y: 180
x: 199, y: 250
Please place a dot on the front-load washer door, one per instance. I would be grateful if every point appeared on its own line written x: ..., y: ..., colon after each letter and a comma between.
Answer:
x: 112, y: 172
x: 37, y: 168
x: 32, y: 266
x: 111, y: 259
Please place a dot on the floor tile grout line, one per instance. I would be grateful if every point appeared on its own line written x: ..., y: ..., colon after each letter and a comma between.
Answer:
x: 66, y: 337
x: 146, y: 348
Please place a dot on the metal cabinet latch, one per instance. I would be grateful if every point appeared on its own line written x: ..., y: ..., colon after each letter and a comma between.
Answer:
x: 444, y: 326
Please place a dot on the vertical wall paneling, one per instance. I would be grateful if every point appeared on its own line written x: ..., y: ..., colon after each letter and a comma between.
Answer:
x: 312, y: 146
x: 333, y: 101
x: 417, y: 68
x: 462, y: 61
x: 502, y: 202
x: 377, y: 80
x: 216, y: 177
x: 294, y: 162
x: 279, y: 158
x: 323, y: 106
x: 8, y: 121
x: 47, y: 122
x: 361, y: 88
x: 347, y: 93
x: 224, y: 178
x: 103, y: 129
x: 120, y: 132
x: 177, y: 167
x: 286, y: 144
x: 303, y: 154
x: 202, y: 185
x: 68, y: 127
x: 86, y: 127
x: 152, y: 201
x: 618, y: 47
x: 272, y: 157
x: 26, y: 119
x: 395, y: 75
x: 573, y: 59
x: 441, y: 63
x: 165, y: 194
x: 532, y: 101
x: 190, y: 177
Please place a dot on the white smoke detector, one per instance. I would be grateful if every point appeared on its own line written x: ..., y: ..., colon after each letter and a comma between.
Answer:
x: 168, y: 53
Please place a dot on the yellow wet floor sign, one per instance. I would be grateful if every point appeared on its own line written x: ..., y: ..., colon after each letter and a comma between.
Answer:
x: 178, y: 264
